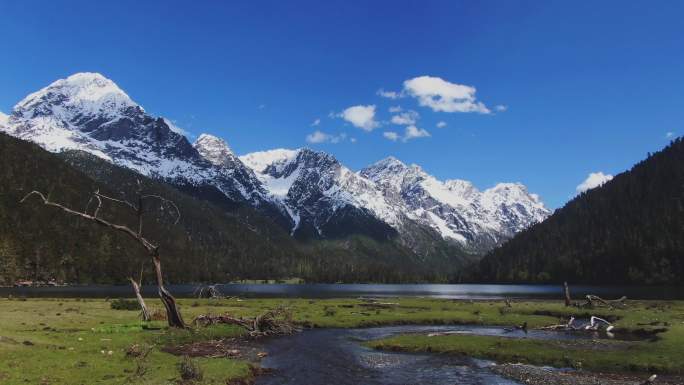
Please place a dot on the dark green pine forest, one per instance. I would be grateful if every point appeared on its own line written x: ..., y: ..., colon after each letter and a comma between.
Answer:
x: 630, y: 230
x: 213, y: 242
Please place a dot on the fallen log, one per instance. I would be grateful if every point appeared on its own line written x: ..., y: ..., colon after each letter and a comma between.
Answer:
x: 593, y: 300
x: 273, y: 322
x: 594, y: 324
x: 611, y: 303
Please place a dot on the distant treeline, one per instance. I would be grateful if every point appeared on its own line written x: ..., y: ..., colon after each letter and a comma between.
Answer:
x: 630, y: 230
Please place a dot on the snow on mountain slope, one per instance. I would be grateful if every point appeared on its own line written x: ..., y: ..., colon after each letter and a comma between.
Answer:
x: 314, y: 186
x: 213, y: 149
x: 89, y: 112
x: 455, y: 208
x: 258, y: 161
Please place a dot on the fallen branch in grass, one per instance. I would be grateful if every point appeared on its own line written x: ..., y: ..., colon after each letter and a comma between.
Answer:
x: 594, y: 324
x: 273, y: 322
x: 593, y: 300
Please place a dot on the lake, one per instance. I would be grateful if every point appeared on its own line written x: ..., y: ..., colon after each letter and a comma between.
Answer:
x: 453, y: 291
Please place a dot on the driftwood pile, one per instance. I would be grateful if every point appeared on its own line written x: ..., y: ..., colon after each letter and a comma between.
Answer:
x: 593, y: 300
x: 273, y: 322
x: 594, y: 324
x: 210, y: 291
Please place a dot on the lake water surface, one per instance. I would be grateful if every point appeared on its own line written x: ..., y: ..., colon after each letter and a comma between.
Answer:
x: 454, y: 291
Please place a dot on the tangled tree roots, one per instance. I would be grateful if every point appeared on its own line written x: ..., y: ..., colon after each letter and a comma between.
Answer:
x: 210, y: 291
x: 273, y: 322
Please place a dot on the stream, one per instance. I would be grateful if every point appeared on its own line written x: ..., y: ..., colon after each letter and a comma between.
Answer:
x: 337, y: 356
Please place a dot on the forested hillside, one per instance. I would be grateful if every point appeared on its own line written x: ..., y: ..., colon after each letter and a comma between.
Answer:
x: 630, y: 230
x: 214, y: 240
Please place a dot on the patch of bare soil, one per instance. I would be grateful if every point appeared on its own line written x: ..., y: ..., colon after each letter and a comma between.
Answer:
x: 534, y: 375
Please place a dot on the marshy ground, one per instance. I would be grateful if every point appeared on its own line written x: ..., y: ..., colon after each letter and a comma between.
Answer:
x: 85, y: 341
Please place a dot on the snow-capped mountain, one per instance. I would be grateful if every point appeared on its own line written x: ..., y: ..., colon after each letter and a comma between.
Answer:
x: 314, y: 186
x: 455, y: 208
x: 321, y: 195
x: 310, y: 193
x: 89, y: 112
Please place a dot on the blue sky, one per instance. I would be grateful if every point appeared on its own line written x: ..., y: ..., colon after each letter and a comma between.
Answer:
x: 586, y: 86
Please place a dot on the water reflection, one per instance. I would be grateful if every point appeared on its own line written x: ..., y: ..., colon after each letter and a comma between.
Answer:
x: 457, y: 291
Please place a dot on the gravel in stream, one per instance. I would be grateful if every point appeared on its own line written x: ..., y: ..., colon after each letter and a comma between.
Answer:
x: 534, y: 375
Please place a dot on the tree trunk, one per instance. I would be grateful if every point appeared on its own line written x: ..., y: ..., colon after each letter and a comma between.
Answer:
x: 136, y: 288
x: 568, y: 300
x: 173, y: 315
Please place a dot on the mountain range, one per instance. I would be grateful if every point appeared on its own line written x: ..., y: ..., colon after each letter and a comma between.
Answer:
x: 307, y: 194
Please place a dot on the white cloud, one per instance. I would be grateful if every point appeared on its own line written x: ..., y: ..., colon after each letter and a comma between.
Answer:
x: 390, y: 94
x: 316, y: 123
x: 441, y: 124
x: 360, y: 116
x: 395, y: 109
x: 407, y: 118
x: 441, y: 95
x: 669, y: 134
x: 391, y: 135
x: 4, y: 119
x: 262, y: 106
x: 413, y: 132
x: 500, y: 108
x: 322, y: 137
x: 353, y: 140
x: 595, y: 179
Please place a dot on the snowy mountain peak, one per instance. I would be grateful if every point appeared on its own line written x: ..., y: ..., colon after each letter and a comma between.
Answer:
x: 312, y: 189
x: 390, y: 161
x: 258, y: 161
x: 461, y: 187
x: 213, y: 149
x: 90, y: 113
x: 83, y: 94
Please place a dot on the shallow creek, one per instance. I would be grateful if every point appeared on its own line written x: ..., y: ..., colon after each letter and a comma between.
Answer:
x: 336, y: 356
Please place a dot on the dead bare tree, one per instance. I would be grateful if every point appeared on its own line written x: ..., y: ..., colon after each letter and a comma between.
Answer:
x: 173, y: 314
x: 144, y: 313
x: 566, y: 290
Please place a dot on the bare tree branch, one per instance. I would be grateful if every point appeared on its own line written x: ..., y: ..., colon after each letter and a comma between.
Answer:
x: 164, y: 201
x: 124, y: 202
x: 173, y: 314
x: 147, y: 244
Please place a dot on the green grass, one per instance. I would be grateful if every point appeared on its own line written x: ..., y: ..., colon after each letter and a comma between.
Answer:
x: 67, y: 336
x: 664, y: 355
